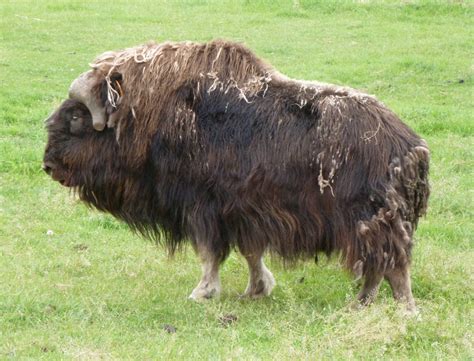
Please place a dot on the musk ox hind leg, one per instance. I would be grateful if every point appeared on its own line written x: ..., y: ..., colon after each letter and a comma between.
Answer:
x: 370, y: 288
x: 209, y: 286
x: 399, y: 280
x: 387, y: 241
x: 261, y: 280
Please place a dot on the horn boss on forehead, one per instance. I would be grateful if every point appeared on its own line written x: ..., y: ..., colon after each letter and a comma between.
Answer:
x: 81, y: 89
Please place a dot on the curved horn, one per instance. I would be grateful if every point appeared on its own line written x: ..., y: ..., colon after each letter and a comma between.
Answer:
x: 81, y: 90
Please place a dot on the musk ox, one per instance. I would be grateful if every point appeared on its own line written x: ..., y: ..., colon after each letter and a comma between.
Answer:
x: 208, y: 143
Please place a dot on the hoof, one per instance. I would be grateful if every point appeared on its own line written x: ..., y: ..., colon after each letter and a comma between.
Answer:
x: 204, y: 293
x: 410, y: 308
x: 365, y: 299
x: 262, y: 287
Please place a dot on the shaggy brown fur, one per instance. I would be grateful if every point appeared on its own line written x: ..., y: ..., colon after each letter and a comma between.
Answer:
x: 208, y: 142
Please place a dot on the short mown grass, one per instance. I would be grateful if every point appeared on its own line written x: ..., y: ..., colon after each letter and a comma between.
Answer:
x: 77, y: 284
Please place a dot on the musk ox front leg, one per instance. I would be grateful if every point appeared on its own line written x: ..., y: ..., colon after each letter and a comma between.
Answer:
x: 210, y: 285
x: 261, y: 280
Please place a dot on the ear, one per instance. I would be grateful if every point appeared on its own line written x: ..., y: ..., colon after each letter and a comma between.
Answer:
x: 116, y: 84
x: 111, y: 94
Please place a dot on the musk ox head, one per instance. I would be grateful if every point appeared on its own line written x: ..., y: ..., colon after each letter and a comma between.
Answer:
x: 71, y: 155
x: 72, y: 131
x: 82, y: 143
x: 92, y: 163
x: 81, y: 148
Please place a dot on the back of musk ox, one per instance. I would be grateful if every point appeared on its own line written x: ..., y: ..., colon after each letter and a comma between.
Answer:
x: 208, y: 143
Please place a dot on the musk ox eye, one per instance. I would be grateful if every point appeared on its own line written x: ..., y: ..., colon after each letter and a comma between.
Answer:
x: 76, y: 125
x: 78, y: 121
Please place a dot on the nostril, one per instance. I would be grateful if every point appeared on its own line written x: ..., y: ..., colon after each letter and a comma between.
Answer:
x: 47, y: 168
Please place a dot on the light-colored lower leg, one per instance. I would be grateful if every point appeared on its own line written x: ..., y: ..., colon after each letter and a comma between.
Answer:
x: 399, y: 279
x: 210, y: 285
x: 261, y: 280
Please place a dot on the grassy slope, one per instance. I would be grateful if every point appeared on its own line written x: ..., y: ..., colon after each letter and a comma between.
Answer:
x: 94, y: 290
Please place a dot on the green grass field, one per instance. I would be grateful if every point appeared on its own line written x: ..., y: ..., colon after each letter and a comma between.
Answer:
x: 76, y: 284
